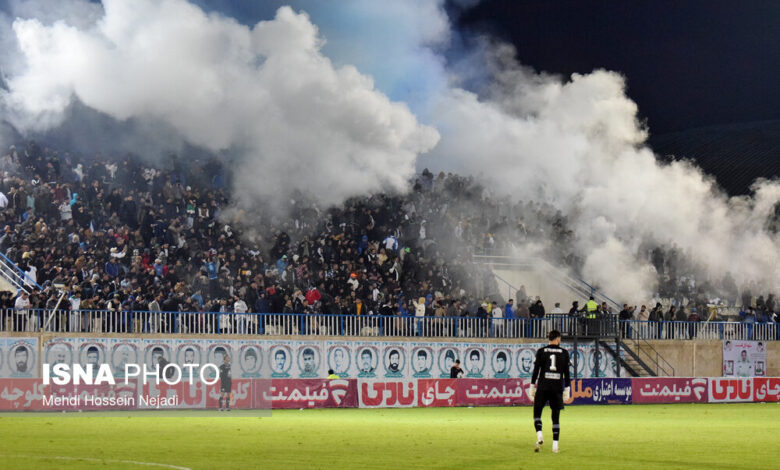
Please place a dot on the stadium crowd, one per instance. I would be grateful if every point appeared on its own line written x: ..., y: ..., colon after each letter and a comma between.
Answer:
x: 122, y: 236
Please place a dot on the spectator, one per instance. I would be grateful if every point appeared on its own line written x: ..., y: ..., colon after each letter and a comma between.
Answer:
x: 21, y: 316
x: 509, y: 310
x: 130, y: 229
x: 537, y: 309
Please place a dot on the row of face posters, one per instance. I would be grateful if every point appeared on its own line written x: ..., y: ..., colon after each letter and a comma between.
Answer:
x: 297, y: 359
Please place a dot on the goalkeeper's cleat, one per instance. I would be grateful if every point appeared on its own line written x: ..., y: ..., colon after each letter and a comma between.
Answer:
x: 538, y: 446
x: 555, y: 447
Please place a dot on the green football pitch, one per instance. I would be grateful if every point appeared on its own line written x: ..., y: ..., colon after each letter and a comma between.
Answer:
x: 632, y: 436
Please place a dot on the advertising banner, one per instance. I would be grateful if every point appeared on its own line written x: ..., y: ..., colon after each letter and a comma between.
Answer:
x: 241, y: 397
x: 766, y: 389
x: 600, y: 391
x: 21, y: 394
x: 31, y: 394
x: 493, y: 392
x: 724, y: 389
x: 310, y: 393
x: 437, y: 392
x: 669, y: 390
x: 387, y: 394
x: 744, y: 358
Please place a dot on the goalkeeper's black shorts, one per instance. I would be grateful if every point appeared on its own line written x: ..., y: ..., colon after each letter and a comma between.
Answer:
x: 225, y: 386
x: 543, y: 397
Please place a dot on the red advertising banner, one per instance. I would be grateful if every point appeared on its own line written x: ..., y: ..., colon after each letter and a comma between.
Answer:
x: 669, y: 390
x: 29, y: 394
x: 311, y: 393
x: 390, y: 394
x: 730, y: 389
x: 240, y: 397
x: 766, y: 389
x: 437, y: 392
x: 21, y: 394
x: 481, y: 392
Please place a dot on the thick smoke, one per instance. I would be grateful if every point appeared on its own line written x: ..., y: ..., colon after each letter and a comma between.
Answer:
x: 578, y: 145
x: 269, y: 94
x: 265, y: 93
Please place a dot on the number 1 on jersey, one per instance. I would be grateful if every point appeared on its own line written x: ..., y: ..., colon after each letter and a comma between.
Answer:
x: 552, y: 362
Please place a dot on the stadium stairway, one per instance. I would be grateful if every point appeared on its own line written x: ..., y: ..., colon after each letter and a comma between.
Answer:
x: 13, y: 278
x: 541, y: 278
x: 641, y: 358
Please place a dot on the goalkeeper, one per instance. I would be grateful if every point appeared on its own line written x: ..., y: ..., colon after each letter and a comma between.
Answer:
x: 550, y: 384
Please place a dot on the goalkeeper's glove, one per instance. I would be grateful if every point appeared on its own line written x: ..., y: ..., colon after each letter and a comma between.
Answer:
x: 566, y: 394
x: 531, y: 391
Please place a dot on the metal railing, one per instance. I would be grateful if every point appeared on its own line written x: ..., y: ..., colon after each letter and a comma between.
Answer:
x: 648, y: 330
x: 15, y: 276
x: 578, y: 287
x: 295, y: 324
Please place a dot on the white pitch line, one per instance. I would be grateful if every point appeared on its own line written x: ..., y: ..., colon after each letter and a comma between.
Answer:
x: 92, y: 459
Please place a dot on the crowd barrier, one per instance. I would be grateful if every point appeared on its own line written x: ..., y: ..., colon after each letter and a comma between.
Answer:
x: 294, y: 324
x: 34, y: 395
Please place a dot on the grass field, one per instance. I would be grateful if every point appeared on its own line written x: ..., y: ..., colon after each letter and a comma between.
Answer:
x: 635, y: 437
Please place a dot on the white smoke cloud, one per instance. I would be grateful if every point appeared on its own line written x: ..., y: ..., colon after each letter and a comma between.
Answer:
x: 265, y: 92
x: 577, y: 144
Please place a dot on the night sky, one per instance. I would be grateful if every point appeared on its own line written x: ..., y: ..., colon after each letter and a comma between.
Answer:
x: 688, y: 63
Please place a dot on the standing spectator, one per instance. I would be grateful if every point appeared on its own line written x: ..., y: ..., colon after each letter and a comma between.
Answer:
x: 669, y: 317
x: 693, y: 318
x: 498, y: 324
x: 509, y: 314
x: 509, y: 309
x: 155, y: 319
x: 242, y: 320
x: 21, y: 316
x: 643, y: 314
x: 625, y: 315
x: 537, y: 309
x: 574, y: 311
x: 225, y: 318
x: 75, y: 312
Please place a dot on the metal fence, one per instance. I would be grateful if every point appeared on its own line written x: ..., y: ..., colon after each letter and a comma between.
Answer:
x: 293, y: 324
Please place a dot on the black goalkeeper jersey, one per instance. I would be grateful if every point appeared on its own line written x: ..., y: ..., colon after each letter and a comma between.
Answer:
x: 551, y: 368
x: 224, y: 373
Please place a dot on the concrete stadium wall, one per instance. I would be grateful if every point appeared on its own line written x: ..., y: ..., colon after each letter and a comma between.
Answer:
x: 704, y: 358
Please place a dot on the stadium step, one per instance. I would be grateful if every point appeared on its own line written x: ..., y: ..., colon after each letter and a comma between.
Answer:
x: 640, y: 358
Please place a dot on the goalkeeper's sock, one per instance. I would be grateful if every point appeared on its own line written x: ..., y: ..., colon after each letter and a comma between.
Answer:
x: 556, y: 424
x: 539, y: 437
x: 538, y: 425
x: 555, y: 446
